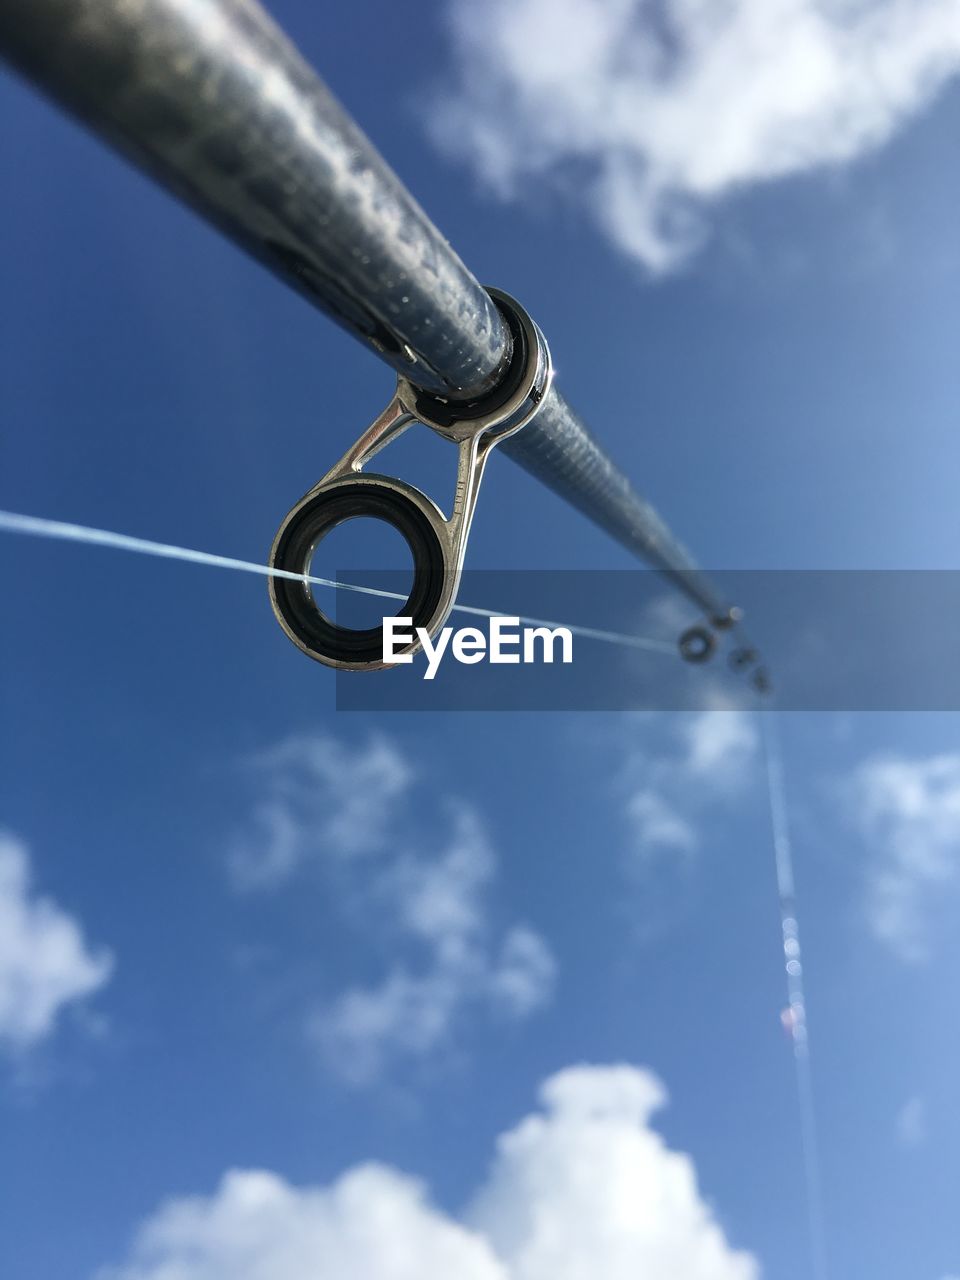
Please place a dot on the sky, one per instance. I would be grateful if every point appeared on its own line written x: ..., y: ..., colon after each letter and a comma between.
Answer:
x: 295, y: 992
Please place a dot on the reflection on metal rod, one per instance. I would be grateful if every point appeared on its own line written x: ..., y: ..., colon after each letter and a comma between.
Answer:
x: 214, y: 101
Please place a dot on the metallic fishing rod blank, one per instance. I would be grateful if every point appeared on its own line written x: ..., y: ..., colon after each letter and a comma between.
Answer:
x: 437, y: 543
x: 213, y: 100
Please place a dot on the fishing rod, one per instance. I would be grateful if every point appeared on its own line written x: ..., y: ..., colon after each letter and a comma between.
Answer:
x: 213, y: 100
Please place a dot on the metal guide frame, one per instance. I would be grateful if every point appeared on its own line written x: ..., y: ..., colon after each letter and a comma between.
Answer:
x: 438, y: 543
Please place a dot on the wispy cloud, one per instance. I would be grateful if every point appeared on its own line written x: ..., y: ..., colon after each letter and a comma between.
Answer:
x: 639, y: 1212
x: 360, y: 812
x: 656, y: 825
x: 670, y: 775
x: 720, y: 749
x: 316, y: 798
x: 439, y: 903
x: 647, y: 112
x: 674, y: 771
x: 908, y: 810
x: 45, y: 962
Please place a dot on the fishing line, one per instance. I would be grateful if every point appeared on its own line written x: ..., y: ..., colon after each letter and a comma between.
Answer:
x: 795, y: 1014
x: 37, y: 526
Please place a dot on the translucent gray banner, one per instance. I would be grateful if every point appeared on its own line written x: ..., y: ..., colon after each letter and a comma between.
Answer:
x: 831, y: 640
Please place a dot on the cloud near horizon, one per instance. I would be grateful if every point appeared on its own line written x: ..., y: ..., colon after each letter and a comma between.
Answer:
x: 537, y: 1216
x: 645, y: 113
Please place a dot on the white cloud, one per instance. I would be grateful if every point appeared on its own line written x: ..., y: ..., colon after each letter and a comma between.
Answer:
x: 667, y: 782
x: 909, y: 812
x: 583, y: 1188
x: 657, y: 825
x: 405, y: 1015
x: 318, y: 798
x: 441, y: 904
x: 912, y: 1122
x: 45, y: 963
x: 673, y: 772
x: 589, y: 1189
x: 372, y: 1224
x: 438, y: 900
x: 522, y: 979
x: 359, y: 811
x: 648, y: 111
x: 721, y: 747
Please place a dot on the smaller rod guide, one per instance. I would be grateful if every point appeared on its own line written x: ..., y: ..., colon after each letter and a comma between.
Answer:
x: 213, y: 100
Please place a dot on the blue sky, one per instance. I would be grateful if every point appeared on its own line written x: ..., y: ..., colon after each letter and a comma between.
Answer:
x: 266, y: 967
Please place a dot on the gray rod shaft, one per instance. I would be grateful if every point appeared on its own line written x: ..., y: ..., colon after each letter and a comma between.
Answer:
x: 213, y: 100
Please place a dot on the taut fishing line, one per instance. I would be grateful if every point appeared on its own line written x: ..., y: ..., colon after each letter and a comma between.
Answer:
x: 37, y: 526
x: 795, y: 1014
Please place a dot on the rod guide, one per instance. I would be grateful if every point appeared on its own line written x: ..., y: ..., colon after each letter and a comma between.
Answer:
x: 437, y: 542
